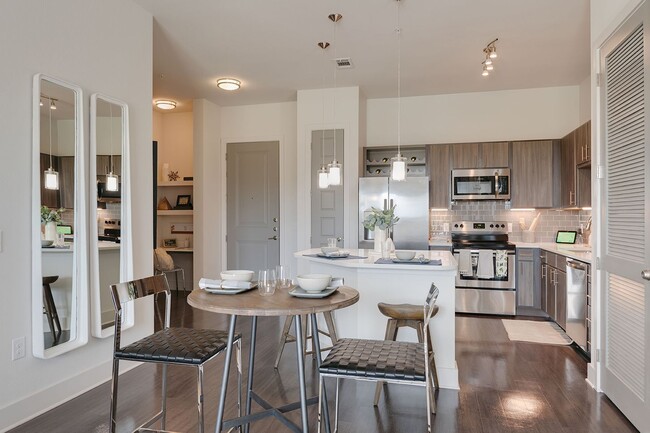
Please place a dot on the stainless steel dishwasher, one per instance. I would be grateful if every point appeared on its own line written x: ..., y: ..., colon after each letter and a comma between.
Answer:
x: 576, y: 305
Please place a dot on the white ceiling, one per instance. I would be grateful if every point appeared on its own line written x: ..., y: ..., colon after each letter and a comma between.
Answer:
x: 271, y: 46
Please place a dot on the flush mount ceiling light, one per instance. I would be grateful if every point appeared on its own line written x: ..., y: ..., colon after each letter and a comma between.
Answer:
x: 166, y: 104
x: 228, y: 84
x: 490, y: 51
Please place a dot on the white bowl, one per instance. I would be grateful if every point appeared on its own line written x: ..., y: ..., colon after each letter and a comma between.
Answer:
x: 405, y: 255
x: 46, y: 243
x: 329, y: 250
x: 237, y: 275
x: 313, y: 282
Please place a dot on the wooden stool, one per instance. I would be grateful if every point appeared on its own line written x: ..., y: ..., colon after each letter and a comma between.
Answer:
x: 286, y: 337
x: 49, y: 307
x: 412, y: 316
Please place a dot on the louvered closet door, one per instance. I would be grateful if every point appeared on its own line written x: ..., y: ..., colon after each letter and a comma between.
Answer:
x: 626, y: 221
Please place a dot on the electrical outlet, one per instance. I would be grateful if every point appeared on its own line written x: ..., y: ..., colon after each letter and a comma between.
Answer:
x: 17, y: 348
x: 509, y: 227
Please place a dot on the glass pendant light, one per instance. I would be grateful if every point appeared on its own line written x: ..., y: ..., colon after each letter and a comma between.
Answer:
x: 323, y: 175
x: 398, y: 162
x: 112, y: 181
x: 51, y: 177
x: 335, y: 168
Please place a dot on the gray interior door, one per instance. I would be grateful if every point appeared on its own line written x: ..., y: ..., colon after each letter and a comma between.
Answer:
x: 252, y: 179
x: 326, y: 204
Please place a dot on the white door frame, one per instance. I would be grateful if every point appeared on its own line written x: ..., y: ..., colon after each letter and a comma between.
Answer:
x: 286, y: 256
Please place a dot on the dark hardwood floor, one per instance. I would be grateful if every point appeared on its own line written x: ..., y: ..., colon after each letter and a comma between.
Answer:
x: 505, y: 387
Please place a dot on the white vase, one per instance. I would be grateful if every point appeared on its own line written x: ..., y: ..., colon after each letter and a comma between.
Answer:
x: 50, y: 231
x: 380, y: 239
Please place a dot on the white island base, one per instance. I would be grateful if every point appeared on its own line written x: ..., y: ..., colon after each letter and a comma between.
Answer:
x: 394, y: 284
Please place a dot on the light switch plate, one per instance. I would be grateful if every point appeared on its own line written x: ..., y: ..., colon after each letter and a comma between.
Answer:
x: 509, y: 227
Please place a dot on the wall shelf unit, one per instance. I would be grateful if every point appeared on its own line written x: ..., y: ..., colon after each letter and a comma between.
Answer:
x: 377, y: 160
x: 173, y: 212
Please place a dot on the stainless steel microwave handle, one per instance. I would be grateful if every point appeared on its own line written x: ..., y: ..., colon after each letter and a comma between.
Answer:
x: 496, y: 184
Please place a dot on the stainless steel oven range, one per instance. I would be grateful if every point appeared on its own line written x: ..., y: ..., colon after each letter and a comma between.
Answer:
x: 485, y: 283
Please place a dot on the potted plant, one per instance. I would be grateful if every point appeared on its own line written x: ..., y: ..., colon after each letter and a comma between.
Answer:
x: 380, y: 220
x: 50, y: 218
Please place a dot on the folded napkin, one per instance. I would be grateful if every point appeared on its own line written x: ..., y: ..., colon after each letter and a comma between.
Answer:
x: 501, y: 263
x: 465, y: 262
x: 205, y: 283
x: 485, y: 267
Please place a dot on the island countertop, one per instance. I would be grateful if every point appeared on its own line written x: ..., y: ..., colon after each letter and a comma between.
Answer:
x: 370, y: 257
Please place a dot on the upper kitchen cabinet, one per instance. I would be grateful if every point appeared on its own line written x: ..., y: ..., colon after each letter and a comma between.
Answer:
x: 583, y: 144
x: 480, y: 155
x: 377, y: 160
x: 568, y: 170
x: 439, y: 175
x: 534, y: 183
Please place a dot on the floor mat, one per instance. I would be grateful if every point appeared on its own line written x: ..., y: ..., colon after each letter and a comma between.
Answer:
x: 536, y: 332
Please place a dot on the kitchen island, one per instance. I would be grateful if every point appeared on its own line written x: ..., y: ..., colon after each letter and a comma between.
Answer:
x: 394, y: 283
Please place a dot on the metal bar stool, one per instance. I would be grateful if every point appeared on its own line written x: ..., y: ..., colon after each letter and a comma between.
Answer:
x: 412, y: 316
x: 49, y: 307
x: 179, y: 346
x: 287, y: 337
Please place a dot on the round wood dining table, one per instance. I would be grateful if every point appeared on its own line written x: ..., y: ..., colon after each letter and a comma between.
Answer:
x: 251, y: 303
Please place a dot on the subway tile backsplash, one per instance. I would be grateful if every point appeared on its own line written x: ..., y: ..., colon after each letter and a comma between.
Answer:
x: 550, y: 220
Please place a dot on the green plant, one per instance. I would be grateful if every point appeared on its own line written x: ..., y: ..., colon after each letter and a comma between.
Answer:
x: 51, y: 215
x: 382, y: 219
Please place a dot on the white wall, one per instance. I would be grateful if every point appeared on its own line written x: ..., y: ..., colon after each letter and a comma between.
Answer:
x: 606, y: 14
x: 208, y: 167
x: 174, y: 133
x: 79, y: 51
x: 266, y: 122
x: 584, y: 112
x: 483, y: 116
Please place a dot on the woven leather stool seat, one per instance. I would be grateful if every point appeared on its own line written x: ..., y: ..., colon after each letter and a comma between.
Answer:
x: 404, y: 311
x: 177, y: 345
x: 376, y: 359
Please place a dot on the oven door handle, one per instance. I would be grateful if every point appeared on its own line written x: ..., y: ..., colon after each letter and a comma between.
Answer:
x: 510, y: 252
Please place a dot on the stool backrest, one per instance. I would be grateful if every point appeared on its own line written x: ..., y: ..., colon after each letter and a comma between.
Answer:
x: 429, y: 305
x: 131, y: 290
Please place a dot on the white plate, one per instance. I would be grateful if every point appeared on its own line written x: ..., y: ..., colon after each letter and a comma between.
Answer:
x: 415, y: 261
x: 230, y: 291
x: 299, y: 292
x: 338, y: 255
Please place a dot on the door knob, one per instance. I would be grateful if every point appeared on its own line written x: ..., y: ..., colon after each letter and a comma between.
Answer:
x: 275, y: 220
x: 339, y: 239
x: 273, y: 238
x: 275, y: 229
x: 645, y: 274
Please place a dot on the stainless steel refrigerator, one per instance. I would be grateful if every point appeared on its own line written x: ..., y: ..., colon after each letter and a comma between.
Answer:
x: 411, y: 200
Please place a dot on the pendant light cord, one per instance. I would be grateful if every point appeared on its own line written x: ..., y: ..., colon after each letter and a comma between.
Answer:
x: 336, y: 24
x: 399, y: 83
x: 50, y: 134
x: 110, y: 143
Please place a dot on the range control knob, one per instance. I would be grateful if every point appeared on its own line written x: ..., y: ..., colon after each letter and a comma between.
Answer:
x: 503, y: 226
x: 492, y: 225
x: 461, y: 226
x: 455, y: 225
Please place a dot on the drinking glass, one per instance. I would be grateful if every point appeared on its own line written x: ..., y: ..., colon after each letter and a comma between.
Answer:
x: 331, y: 242
x: 266, y: 282
x: 283, y: 276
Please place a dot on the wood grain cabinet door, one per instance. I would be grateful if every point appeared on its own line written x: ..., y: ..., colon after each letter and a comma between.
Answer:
x: 532, y: 177
x: 465, y: 155
x: 439, y: 175
x: 494, y: 155
x: 568, y: 170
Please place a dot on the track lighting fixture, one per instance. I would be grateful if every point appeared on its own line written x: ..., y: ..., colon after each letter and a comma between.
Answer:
x: 490, y: 51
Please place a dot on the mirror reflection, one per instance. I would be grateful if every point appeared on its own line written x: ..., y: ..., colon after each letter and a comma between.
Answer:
x: 111, y: 244
x: 57, y: 267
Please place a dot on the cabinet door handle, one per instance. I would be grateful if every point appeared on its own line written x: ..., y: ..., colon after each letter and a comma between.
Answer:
x: 572, y: 198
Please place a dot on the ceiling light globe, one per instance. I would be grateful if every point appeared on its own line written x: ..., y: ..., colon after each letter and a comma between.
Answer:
x: 485, y: 73
x: 334, y: 173
x: 164, y: 104
x: 493, y: 53
x: 229, y: 84
x: 489, y: 67
x: 488, y: 61
x: 51, y: 179
x: 112, y: 182
x: 323, y: 178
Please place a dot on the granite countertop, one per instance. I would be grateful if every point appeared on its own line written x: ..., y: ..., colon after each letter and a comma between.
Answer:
x: 580, y: 252
x: 448, y: 261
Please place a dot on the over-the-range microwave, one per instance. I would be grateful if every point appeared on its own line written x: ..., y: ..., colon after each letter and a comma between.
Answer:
x: 480, y: 184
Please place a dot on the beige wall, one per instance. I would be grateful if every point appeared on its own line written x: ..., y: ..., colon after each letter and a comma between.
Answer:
x: 174, y: 133
x: 80, y: 52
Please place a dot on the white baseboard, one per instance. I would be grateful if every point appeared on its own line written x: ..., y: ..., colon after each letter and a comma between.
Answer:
x: 21, y: 411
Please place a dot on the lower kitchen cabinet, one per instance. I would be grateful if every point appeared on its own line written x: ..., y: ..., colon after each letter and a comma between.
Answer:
x: 528, y: 278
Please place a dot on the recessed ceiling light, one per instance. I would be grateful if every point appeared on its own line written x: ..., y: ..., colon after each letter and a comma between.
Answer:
x: 228, y: 84
x: 165, y: 104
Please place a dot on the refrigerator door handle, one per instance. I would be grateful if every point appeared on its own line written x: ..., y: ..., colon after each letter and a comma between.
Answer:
x: 385, y: 204
x: 391, y: 203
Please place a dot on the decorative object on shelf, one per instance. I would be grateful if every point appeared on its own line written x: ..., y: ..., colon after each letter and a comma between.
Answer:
x: 164, y: 204
x: 380, y: 221
x: 50, y: 218
x: 490, y: 54
x: 173, y: 176
x: 183, y: 201
x: 398, y: 162
x: 334, y: 168
x: 182, y: 228
x: 51, y: 179
x: 169, y: 243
